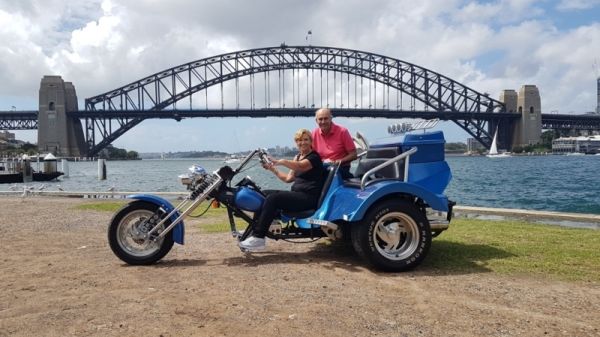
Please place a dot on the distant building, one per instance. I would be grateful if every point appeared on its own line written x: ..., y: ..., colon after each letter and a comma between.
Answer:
x: 7, y: 136
x: 474, y: 146
x: 581, y: 144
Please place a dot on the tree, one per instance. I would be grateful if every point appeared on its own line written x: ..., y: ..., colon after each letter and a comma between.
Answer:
x: 547, y: 137
x: 28, y: 147
x: 114, y: 153
x: 455, y: 147
x: 132, y: 155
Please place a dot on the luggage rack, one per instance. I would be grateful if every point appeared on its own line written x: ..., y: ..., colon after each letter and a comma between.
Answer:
x: 402, y: 128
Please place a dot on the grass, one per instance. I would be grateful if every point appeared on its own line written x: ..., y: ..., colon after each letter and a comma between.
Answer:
x: 108, y: 206
x: 213, y: 221
x: 504, y: 247
x: 517, y: 248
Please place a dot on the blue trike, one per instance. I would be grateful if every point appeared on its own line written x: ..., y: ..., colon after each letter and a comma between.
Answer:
x: 389, y: 212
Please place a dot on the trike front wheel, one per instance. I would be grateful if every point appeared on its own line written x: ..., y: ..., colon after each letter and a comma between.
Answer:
x: 127, y: 234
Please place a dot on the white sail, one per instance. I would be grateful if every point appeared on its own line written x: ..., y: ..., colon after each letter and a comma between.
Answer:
x: 494, y: 147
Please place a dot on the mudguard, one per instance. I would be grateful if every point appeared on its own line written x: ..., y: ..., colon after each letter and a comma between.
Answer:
x: 351, y: 204
x: 179, y: 230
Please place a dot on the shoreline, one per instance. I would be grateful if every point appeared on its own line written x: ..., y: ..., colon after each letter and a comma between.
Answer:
x: 565, y: 219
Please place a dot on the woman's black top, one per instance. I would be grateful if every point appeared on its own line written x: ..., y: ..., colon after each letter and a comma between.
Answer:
x: 311, y: 181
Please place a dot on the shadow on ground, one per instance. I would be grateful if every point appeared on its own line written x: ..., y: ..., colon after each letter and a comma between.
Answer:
x: 447, y: 257
x: 444, y: 258
x: 325, y: 254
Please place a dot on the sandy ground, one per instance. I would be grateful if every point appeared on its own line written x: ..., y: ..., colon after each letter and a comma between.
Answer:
x: 59, y: 278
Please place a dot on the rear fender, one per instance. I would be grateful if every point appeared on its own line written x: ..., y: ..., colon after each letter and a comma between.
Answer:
x: 351, y: 204
x: 179, y: 230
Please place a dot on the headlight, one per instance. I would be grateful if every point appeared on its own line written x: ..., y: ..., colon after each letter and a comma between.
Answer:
x: 195, y: 175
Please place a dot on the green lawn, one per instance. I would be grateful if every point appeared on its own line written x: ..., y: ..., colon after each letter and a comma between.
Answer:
x: 506, y: 247
x: 517, y: 247
x: 109, y: 206
x: 213, y: 221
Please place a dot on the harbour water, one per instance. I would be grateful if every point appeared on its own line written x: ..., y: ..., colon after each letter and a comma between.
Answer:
x: 551, y: 183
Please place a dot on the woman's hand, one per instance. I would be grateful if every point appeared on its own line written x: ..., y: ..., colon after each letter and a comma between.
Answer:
x: 269, y: 166
x: 270, y: 162
x: 275, y: 161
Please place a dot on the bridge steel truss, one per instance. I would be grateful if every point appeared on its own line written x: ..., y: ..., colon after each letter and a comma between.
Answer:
x: 162, y: 90
x: 18, y: 120
x: 571, y: 122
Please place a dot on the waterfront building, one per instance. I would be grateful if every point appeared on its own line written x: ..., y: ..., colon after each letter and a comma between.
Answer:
x: 7, y: 136
x: 581, y: 144
x: 474, y: 146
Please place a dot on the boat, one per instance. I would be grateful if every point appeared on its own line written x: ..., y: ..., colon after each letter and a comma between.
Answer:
x: 12, y: 178
x: 232, y: 159
x: 20, y: 171
x: 494, y: 149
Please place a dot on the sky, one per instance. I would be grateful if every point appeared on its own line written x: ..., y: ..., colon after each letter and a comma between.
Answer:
x: 100, y: 45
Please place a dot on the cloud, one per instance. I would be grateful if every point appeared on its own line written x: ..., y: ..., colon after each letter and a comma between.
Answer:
x: 102, y: 45
x: 571, y: 5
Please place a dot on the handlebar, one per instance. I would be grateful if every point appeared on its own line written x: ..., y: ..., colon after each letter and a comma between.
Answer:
x: 264, y: 157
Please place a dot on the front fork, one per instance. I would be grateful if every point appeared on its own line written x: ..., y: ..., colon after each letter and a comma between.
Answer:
x: 189, y: 204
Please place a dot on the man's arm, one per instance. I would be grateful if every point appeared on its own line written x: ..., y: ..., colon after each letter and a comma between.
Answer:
x: 349, y: 147
x: 349, y: 157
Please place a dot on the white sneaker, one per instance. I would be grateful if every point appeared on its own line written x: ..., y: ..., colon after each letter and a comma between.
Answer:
x: 253, y: 244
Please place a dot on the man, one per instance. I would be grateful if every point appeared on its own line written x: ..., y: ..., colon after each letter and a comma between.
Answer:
x: 333, y: 142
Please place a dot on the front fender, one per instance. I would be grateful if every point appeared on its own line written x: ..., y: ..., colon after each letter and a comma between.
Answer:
x: 351, y: 204
x: 179, y: 230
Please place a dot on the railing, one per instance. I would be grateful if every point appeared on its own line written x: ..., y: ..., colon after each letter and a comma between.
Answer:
x: 407, y: 154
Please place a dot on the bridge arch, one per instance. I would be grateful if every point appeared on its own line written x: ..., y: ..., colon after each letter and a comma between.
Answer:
x: 162, y: 90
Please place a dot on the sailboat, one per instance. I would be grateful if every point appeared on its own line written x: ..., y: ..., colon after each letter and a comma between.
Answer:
x: 494, y: 149
x: 232, y: 159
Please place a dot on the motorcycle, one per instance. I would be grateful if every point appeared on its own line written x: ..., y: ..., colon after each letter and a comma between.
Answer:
x: 390, y: 212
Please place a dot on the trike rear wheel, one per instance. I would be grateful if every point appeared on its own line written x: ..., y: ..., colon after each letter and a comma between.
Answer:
x: 393, y: 236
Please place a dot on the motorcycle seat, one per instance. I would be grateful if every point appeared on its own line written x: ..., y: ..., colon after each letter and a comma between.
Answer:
x: 376, y: 157
x: 329, y: 174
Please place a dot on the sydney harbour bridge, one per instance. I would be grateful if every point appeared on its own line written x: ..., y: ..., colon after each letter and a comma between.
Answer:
x: 285, y: 81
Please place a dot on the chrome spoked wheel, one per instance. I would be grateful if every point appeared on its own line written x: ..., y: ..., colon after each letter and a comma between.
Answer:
x: 128, y: 234
x: 132, y: 233
x: 396, y: 236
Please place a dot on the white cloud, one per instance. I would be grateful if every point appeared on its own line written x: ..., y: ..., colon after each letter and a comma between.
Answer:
x: 101, y: 45
x: 570, y: 5
x: 503, y: 12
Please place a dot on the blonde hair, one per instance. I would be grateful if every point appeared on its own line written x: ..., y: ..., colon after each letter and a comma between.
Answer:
x: 301, y: 133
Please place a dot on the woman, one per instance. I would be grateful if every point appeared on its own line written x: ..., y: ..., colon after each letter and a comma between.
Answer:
x: 306, y: 172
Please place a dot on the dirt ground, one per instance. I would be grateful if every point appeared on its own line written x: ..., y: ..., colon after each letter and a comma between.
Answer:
x: 59, y: 278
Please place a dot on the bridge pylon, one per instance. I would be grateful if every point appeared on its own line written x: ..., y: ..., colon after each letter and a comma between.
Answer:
x: 528, y: 129
x: 58, y: 133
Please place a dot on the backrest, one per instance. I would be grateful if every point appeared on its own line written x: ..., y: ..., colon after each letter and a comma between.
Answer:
x: 329, y: 174
x: 376, y: 156
x: 382, y: 152
x: 391, y: 171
